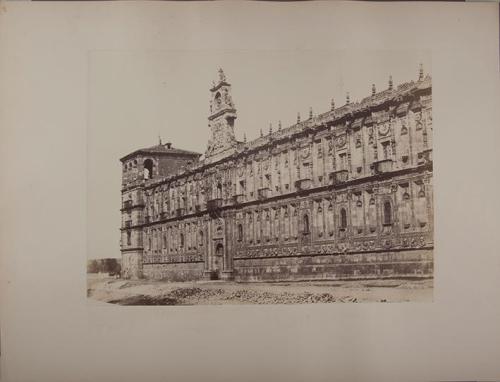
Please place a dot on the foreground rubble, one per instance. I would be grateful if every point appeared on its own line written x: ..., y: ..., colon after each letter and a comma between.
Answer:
x: 146, y: 292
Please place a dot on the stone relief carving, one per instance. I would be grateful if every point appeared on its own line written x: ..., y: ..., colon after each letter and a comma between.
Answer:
x: 340, y: 141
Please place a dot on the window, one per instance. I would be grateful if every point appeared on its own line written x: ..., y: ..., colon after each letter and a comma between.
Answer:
x: 218, y: 100
x: 164, y: 240
x: 148, y: 169
x: 182, y: 240
x: 342, y: 161
x: 200, y: 238
x: 387, y: 213
x: 305, y: 221
x: 343, y: 219
x: 129, y: 235
x: 219, y: 191
x: 240, y: 232
x: 386, y: 148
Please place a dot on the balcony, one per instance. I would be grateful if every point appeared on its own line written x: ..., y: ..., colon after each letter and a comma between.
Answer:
x: 263, y: 193
x: 425, y: 156
x: 163, y: 215
x: 128, y: 223
x: 339, y: 177
x: 238, y: 199
x: 129, y: 204
x: 214, y: 206
x: 383, y: 166
x: 146, y: 219
x: 303, y: 184
x: 179, y: 212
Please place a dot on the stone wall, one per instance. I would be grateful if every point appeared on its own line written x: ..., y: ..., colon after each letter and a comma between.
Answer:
x: 174, y: 272
x: 409, y: 263
x: 131, y: 265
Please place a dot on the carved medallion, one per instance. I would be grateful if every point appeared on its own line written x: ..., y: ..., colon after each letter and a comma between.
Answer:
x: 384, y: 129
x: 341, y: 141
x: 305, y: 152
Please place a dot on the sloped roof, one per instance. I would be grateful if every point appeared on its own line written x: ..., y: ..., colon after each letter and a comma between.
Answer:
x: 161, y: 149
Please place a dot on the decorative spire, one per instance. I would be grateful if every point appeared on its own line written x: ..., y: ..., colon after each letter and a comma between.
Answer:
x: 222, y: 76
x: 279, y: 125
x: 261, y: 133
x: 332, y: 104
x: 310, y: 112
x: 421, y: 72
x: 245, y: 137
x: 159, y: 139
x: 374, y: 90
x: 298, y: 117
x: 390, y: 83
x: 347, y: 99
x: 270, y: 128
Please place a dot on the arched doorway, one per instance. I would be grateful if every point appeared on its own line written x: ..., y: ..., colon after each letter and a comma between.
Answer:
x: 218, y: 259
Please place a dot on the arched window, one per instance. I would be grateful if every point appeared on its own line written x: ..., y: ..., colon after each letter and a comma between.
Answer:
x: 343, y: 219
x: 240, y: 232
x: 387, y: 213
x: 148, y: 169
x: 182, y: 240
x: 128, y: 237
x: 218, y: 100
x: 305, y: 221
x: 164, y: 240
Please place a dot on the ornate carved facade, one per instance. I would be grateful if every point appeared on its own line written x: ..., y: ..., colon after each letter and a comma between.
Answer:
x: 344, y: 194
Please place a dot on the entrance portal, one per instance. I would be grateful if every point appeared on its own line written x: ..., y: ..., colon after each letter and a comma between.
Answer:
x: 218, y: 259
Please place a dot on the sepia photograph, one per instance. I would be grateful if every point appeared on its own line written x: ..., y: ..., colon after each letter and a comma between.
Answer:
x: 249, y: 191
x: 260, y: 177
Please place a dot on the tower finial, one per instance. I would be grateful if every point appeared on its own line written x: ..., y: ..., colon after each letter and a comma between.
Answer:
x: 310, y: 112
x: 270, y: 128
x: 279, y: 125
x: 261, y: 133
x: 374, y: 90
x: 298, y: 117
x: 332, y: 104
x: 390, y: 82
x: 222, y: 76
x: 421, y: 72
x: 347, y: 99
x: 245, y: 137
x: 159, y: 139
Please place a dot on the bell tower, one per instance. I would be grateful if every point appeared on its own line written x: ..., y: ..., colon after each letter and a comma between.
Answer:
x: 222, y: 141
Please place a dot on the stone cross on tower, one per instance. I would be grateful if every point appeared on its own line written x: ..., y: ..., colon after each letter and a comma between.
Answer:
x: 222, y: 140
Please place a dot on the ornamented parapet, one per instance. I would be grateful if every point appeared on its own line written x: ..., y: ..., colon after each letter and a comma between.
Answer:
x: 416, y: 241
x: 170, y: 259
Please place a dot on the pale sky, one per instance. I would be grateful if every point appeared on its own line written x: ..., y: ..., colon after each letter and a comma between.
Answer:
x: 134, y: 96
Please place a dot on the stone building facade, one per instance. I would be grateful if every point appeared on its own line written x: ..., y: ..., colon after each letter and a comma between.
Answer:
x: 340, y: 195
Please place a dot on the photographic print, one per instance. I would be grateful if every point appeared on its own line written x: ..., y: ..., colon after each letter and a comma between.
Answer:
x: 243, y: 177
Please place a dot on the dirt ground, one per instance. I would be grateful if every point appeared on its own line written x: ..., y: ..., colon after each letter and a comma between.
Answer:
x: 147, y: 292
